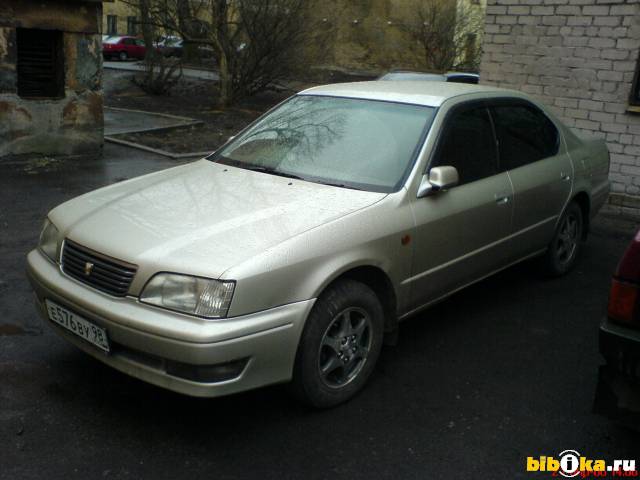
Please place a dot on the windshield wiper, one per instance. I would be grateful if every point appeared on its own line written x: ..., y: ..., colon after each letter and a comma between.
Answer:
x: 341, y: 185
x: 273, y: 171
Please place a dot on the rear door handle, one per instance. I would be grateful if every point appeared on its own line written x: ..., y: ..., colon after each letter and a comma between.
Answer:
x: 501, y: 199
x: 565, y: 177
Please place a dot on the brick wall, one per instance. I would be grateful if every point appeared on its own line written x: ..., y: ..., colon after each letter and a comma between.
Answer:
x: 579, y: 57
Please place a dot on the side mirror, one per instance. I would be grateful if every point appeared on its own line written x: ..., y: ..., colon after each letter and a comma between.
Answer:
x: 438, y: 178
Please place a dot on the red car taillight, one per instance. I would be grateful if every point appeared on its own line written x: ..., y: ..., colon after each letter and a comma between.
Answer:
x: 623, y: 302
x: 624, y: 299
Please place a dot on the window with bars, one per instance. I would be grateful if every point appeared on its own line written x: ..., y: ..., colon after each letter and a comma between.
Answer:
x: 40, y: 63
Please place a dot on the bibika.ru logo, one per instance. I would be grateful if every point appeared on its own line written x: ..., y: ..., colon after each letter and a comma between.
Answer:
x: 571, y: 464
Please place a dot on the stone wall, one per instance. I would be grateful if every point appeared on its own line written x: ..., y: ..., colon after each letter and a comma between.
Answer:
x: 69, y: 125
x: 580, y: 58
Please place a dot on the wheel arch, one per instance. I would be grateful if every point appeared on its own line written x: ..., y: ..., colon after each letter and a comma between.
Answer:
x: 377, y: 280
x: 584, y: 202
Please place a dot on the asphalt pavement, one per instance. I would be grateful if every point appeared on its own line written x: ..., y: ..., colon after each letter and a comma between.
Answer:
x: 502, y: 370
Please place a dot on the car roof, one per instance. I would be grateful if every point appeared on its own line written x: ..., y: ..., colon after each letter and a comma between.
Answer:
x: 418, y: 92
x: 462, y: 74
x: 119, y: 38
x: 412, y: 76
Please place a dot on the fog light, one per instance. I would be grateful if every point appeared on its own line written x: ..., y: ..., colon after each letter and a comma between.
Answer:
x: 207, y: 373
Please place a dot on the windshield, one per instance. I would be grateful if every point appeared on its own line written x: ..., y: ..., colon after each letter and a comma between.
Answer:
x: 352, y: 143
x: 113, y: 40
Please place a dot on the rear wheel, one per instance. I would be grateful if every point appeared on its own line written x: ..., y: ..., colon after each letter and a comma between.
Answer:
x: 564, y: 249
x: 123, y: 56
x: 340, y: 345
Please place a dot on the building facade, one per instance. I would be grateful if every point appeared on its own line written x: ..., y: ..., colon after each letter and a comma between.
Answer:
x: 370, y: 36
x: 580, y: 57
x: 120, y: 18
x: 375, y: 35
x: 50, y: 77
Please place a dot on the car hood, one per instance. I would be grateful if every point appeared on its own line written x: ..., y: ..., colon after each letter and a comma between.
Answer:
x: 201, y: 218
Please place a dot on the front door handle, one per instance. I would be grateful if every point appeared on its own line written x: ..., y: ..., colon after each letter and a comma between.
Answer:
x: 565, y: 177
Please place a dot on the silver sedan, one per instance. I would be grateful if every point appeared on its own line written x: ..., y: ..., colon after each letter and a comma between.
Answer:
x: 292, y: 253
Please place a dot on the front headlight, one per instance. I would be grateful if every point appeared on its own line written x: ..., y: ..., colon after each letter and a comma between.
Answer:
x: 48, y: 243
x: 199, y: 296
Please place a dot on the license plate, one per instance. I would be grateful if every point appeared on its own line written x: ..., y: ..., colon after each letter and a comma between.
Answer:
x: 78, y: 325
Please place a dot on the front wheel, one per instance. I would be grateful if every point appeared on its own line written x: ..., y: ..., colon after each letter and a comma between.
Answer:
x: 123, y: 56
x: 564, y: 249
x: 340, y: 345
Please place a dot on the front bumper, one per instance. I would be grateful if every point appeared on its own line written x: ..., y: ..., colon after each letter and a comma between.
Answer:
x: 148, y: 342
x: 618, y: 391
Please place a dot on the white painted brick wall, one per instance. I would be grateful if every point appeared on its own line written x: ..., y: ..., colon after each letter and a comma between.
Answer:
x: 579, y: 57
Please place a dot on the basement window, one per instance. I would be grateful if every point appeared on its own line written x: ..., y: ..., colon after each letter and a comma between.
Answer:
x: 634, y: 97
x: 40, y: 63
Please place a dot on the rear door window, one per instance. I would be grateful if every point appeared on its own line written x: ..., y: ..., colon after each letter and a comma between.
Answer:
x: 525, y: 134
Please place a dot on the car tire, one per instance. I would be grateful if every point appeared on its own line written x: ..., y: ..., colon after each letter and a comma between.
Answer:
x: 123, y: 56
x: 340, y: 345
x: 564, y: 250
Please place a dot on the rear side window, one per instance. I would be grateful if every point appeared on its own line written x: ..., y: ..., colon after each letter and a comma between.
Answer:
x: 525, y: 135
x: 468, y: 144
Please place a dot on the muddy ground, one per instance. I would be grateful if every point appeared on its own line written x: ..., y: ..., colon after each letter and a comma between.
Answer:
x: 197, y: 99
x: 190, y: 98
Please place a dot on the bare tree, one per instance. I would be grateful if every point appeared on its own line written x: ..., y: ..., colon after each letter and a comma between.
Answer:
x: 259, y: 42
x: 448, y: 32
x: 161, y: 73
x: 254, y: 42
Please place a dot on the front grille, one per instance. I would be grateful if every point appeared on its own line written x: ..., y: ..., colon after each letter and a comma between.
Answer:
x: 96, y: 270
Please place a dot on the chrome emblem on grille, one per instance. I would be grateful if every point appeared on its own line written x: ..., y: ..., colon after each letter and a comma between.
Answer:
x: 88, y: 267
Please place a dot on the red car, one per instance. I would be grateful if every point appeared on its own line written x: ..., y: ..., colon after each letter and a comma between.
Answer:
x: 123, y: 48
x: 618, y: 393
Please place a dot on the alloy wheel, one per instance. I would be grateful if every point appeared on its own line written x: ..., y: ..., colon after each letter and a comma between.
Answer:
x: 567, y: 239
x: 345, y: 347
